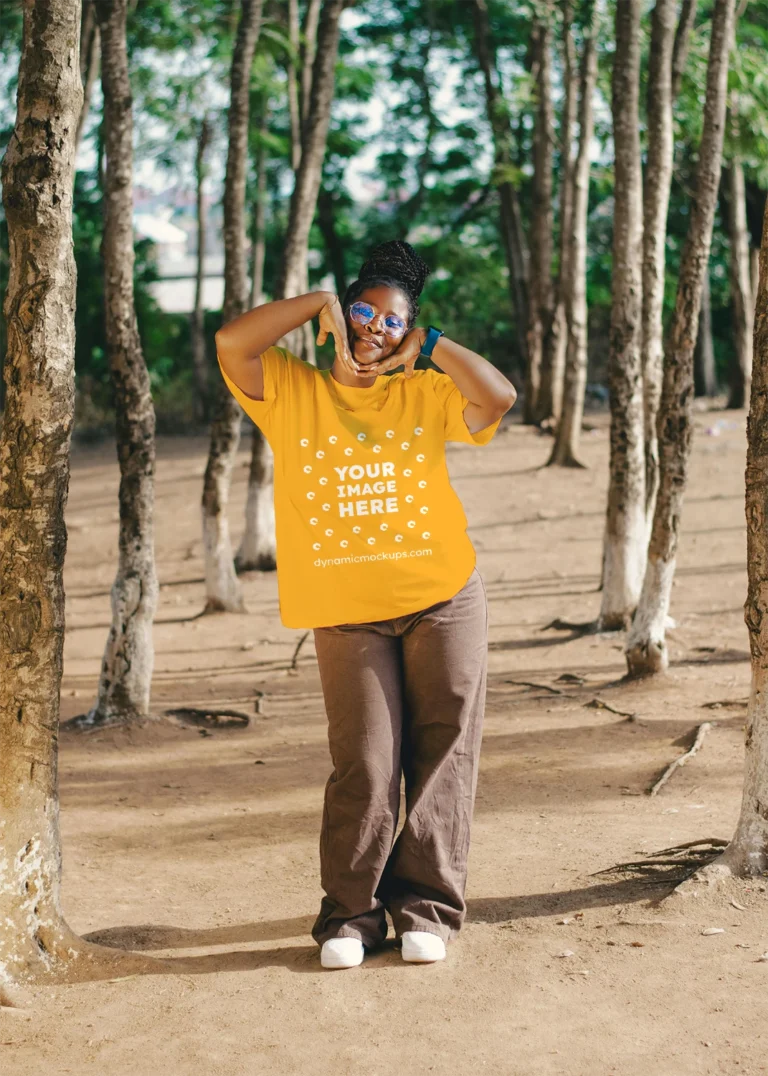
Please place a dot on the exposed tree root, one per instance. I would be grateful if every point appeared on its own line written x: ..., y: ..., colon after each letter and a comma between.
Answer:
x: 293, y: 667
x: 588, y: 627
x: 210, y: 719
x: 701, y: 732
x: 542, y: 687
x: 672, y: 866
x: 599, y: 704
x: 721, y: 703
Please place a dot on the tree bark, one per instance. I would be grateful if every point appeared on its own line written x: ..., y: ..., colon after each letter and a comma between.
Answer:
x: 742, y: 311
x: 747, y: 854
x: 625, y: 530
x: 511, y: 221
x: 258, y: 235
x: 704, y: 379
x: 556, y: 342
x: 199, y: 357
x: 292, y: 276
x: 326, y: 218
x: 656, y: 190
x: 222, y: 588
x: 307, y: 52
x: 126, y: 669
x: 90, y: 54
x: 293, y: 89
x: 37, y: 179
x: 566, y: 449
x: 258, y: 546
x: 646, y: 644
x: 538, y: 393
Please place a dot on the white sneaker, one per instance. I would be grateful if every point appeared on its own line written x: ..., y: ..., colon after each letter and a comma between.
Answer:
x: 341, y: 953
x: 421, y: 947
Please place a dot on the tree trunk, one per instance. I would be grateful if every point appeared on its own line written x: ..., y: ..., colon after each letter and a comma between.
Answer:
x: 257, y: 548
x: 326, y: 218
x: 39, y: 309
x: 566, y: 449
x: 538, y: 393
x: 646, y: 645
x: 90, y: 53
x: 199, y: 357
x: 747, y: 854
x: 511, y: 221
x: 222, y: 588
x: 556, y: 342
x: 258, y: 235
x: 292, y: 278
x: 704, y: 379
x: 129, y: 656
x: 625, y: 530
x: 656, y: 190
x: 293, y: 89
x: 307, y: 52
x: 742, y: 311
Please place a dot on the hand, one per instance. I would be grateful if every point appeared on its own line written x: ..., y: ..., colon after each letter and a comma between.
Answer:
x: 405, y: 355
x: 332, y: 321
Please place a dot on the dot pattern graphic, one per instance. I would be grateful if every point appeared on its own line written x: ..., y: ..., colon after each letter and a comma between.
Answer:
x: 367, y: 487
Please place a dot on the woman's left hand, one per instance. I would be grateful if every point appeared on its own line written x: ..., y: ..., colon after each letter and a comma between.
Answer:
x: 406, y: 354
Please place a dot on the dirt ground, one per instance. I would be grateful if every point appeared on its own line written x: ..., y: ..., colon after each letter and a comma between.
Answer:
x: 203, y: 848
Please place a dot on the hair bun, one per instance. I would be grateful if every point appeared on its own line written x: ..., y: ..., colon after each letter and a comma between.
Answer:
x: 398, y: 260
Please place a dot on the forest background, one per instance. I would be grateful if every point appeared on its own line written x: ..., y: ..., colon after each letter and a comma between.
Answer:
x: 409, y: 153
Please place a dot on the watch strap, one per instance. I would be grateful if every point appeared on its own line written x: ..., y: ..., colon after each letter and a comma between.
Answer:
x: 433, y: 335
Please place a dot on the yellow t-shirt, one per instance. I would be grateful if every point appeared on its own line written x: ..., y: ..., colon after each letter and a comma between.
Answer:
x: 368, y: 526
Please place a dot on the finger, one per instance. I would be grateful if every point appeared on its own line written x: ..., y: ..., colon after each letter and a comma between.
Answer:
x: 322, y: 336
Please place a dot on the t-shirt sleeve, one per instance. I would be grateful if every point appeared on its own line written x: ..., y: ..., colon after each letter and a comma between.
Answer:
x: 453, y: 402
x: 275, y: 363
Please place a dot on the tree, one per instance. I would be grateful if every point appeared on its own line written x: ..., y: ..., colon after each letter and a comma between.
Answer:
x: 705, y: 382
x: 668, y: 49
x: 625, y: 529
x: 257, y: 549
x: 90, y: 53
x: 199, y: 357
x: 126, y: 670
x: 541, y: 299
x: 511, y: 221
x: 747, y: 853
x: 223, y: 591
x: 742, y: 307
x: 34, y: 478
x: 565, y: 452
x: 646, y: 646
x: 556, y: 343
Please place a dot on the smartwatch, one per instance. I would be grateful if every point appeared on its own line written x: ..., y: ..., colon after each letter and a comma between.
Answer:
x: 433, y: 335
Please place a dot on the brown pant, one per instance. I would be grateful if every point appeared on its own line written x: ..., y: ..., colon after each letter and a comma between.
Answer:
x: 402, y: 695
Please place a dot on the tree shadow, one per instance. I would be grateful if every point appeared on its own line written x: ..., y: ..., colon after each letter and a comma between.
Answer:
x: 539, y: 905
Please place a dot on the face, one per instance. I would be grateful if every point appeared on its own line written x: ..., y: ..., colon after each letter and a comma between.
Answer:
x: 370, y: 343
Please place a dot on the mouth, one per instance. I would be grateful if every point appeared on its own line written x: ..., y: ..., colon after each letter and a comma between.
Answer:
x: 369, y: 348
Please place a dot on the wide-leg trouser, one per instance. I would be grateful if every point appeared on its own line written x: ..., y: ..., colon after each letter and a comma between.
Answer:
x: 405, y: 695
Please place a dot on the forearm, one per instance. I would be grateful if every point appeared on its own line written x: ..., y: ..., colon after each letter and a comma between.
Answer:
x: 252, y: 333
x: 476, y: 378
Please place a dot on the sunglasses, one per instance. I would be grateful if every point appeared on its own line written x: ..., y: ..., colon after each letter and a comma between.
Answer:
x: 362, y: 313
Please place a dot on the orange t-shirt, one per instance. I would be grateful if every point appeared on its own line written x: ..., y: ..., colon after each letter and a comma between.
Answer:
x: 368, y: 526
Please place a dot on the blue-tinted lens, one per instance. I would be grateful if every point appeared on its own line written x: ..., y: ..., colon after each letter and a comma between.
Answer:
x: 361, y: 312
x: 394, y: 325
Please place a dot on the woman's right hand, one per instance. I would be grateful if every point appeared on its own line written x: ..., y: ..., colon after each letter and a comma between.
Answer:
x: 332, y: 321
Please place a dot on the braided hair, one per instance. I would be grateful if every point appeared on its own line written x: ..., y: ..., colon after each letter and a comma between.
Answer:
x: 394, y: 264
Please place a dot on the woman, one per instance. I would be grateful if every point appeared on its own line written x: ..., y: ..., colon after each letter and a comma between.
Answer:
x: 373, y: 555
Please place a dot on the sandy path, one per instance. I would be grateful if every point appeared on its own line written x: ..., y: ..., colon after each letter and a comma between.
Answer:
x: 203, y: 848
